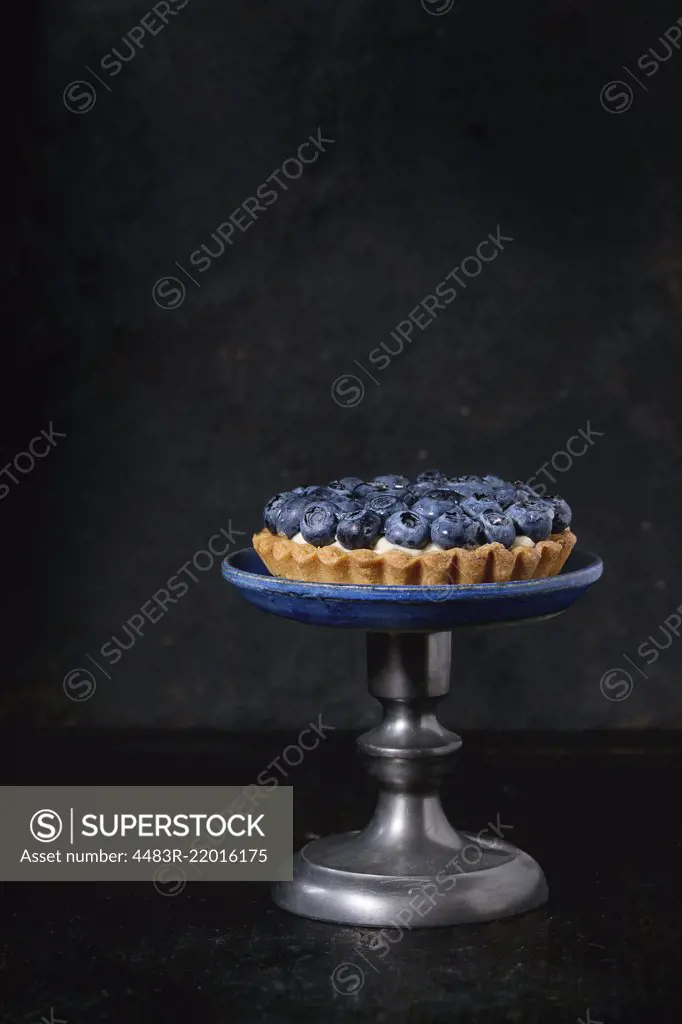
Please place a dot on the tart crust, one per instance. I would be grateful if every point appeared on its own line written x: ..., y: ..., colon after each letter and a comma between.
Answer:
x: 489, y: 563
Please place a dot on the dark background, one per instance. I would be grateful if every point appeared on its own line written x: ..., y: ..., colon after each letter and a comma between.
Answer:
x: 182, y: 421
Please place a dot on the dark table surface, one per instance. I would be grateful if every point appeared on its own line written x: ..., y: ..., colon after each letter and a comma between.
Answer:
x: 601, y: 812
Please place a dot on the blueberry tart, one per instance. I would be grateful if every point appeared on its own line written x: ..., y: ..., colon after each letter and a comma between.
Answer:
x: 435, y: 529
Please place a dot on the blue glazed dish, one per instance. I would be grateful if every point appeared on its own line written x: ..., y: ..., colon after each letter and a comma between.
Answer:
x: 397, y: 608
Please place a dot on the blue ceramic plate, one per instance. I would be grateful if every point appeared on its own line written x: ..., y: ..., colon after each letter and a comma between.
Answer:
x: 410, y: 608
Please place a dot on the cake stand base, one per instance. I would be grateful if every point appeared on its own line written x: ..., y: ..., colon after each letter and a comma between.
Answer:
x: 329, y: 884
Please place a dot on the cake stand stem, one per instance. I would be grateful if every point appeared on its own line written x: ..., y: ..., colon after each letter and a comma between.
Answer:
x: 409, y: 751
x: 409, y: 866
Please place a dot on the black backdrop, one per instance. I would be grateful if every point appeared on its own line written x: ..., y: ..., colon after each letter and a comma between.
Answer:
x: 181, y: 421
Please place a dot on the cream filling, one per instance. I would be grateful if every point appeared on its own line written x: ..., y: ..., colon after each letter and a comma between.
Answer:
x: 383, y: 545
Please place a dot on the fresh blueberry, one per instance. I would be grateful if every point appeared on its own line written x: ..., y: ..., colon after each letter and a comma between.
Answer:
x: 271, y: 510
x: 506, y: 495
x: 313, y: 491
x: 532, y: 517
x: 434, y: 477
x: 476, y: 504
x: 358, y: 529
x: 337, y: 487
x: 379, y: 492
x: 469, y: 483
x: 385, y: 504
x: 433, y: 504
x: 469, y: 488
x: 288, y: 518
x: 346, y: 483
x: 318, y: 523
x: 418, y: 489
x: 455, y: 529
x: 497, y: 528
x: 339, y: 493
x: 461, y: 490
x: 344, y: 503
x: 467, y: 478
x: 562, y: 512
x: 407, y: 529
x: 363, y: 489
x: 391, y: 481
x: 502, y: 492
x: 524, y: 491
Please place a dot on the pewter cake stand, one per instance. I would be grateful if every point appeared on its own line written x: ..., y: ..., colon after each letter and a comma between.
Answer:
x: 409, y: 856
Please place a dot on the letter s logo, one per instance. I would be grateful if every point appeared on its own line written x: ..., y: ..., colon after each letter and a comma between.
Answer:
x: 46, y: 826
x: 79, y: 97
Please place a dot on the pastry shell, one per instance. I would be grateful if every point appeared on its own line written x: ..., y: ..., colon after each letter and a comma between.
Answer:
x: 489, y: 563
